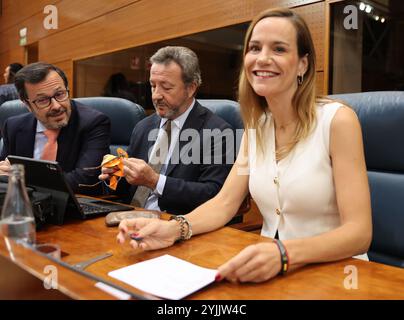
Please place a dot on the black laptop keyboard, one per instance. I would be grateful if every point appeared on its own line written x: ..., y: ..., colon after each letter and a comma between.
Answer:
x: 88, y: 209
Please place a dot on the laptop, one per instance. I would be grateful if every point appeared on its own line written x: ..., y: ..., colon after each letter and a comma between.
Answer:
x: 47, y: 176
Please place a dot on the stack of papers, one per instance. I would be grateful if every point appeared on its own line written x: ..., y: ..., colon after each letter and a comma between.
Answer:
x: 166, y: 276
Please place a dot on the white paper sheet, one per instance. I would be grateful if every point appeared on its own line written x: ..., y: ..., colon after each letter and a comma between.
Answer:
x: 166, y: 277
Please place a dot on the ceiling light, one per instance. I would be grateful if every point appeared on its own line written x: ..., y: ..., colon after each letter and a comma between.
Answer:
x: 368, y: 8
x: 377, y: 18
x: 382, y: 20
x: 362, y: 6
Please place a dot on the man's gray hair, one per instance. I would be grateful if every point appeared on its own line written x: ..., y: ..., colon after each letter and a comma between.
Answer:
x: 185, y: 58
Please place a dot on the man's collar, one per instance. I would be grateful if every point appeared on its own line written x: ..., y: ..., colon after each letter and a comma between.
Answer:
x: 39, y: 126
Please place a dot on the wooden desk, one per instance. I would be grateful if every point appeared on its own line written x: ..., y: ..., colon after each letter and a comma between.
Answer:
x: 85, y: 239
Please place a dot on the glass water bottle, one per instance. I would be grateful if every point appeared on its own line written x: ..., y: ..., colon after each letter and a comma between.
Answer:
x: 17, y: 219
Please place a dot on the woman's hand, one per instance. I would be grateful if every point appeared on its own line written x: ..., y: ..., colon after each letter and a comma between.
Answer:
x: 150, y: 234
x: 255, y: 263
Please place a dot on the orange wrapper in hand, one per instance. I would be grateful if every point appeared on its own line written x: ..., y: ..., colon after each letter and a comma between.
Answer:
x: 111, y: 161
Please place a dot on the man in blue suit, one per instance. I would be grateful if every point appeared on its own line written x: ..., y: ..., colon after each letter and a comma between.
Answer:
x: 190, y: 174
x: 56, y: 128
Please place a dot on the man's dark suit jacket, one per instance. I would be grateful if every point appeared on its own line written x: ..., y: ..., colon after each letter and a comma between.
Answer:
x: 82, y: 143
x: 187, y: 185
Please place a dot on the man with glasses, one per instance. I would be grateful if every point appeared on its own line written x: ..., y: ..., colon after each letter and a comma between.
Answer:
x: 56, y: 128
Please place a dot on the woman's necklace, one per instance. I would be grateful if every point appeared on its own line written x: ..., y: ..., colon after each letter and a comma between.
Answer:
x: 284, y: 126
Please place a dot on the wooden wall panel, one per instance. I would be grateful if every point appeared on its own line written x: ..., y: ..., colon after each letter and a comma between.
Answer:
x: 326, y: 46
x: 140, y: 23
x: 260, y: 5
x: 93, y: 27
x: 156, y: 20
x: 74, y: 43
x: 22, y: 13
x: 14, y: 55
x: 67, y: 67
x: 16, y: 11
x: 9, y: 39
x: 320, y: 83
x: 68, y: 16
x: 314, y: 15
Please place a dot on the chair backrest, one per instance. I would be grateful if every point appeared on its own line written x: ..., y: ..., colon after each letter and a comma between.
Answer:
x: 8, y: 109
x: 11, y: 108
x: 229, y: 111
x: 381, y: 115
x: 124, y: 115
x: 226, y: 109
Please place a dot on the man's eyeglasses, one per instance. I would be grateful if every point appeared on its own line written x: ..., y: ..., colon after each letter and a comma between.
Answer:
x: 44, y: 102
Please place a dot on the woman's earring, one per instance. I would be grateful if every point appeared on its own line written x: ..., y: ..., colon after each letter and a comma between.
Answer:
x: 300, y: 80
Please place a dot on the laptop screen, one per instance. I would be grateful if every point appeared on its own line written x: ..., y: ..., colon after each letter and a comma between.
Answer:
x: 48, y: 177
x: 41, y: 173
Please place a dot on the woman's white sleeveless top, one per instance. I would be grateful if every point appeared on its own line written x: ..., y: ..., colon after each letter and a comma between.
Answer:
x: 296, y: 196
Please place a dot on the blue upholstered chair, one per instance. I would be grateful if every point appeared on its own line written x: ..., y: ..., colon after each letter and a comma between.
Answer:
x: 229, y: 111
x: 11, y: 108
x: 123, y: 113
x: 8, y: 109
x: 226, y: 109
x: 381, y: 115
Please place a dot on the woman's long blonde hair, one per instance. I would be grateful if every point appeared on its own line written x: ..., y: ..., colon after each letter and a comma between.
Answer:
x: 254, y: 106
